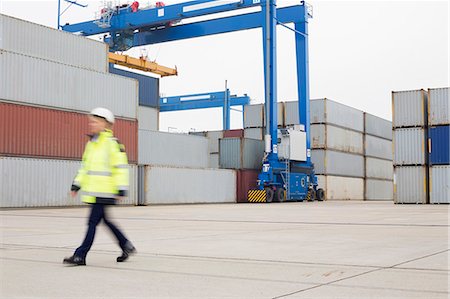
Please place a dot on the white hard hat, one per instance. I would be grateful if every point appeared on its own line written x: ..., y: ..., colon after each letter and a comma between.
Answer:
x: 104, y: 113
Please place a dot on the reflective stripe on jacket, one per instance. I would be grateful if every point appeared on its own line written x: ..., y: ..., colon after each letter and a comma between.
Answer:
x: 104, y: 170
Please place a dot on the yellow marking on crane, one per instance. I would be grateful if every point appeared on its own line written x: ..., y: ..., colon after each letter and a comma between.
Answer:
x: 142, y: 64
x: 256, y: 196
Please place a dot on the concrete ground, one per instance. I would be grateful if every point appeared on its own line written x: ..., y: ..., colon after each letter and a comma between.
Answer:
x: 290, y: 250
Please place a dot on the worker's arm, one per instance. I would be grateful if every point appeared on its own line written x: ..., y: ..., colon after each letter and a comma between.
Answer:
x: 79, y: 178
x: 119, y: 165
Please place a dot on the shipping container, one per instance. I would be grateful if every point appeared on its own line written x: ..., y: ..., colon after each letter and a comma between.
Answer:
x: 213, y: 160
x: 335, y: 138
x: 254, y: 133
x: 377, y: 126
x: 410, y: 184
x: 27, y: 182
x: 379, y: 190
x: 241, y: 153
x: 148, y: 86
x: 148, y: 118
x: 438, y: 106
x: 325, y: 111
x: 439, y: 145
x: 377, y: 147
x: 239, y: 133
x: 254, y: 116
x: 40, y: 132
x: 409, y: 108
x: 337, y: 163
x: 246, y: 180
x: 214, y: 137
x: 409, y: 146
x: 43, y: 42
x: 165, y: 185
x: 41, y: 82
x: 176, y: 150
x: 341, y: 188
x: 440, y: 184
x: 379, y: 169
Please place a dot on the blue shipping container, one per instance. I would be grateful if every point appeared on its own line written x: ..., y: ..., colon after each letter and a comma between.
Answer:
x: 148, y: 87
x: 439, y: 143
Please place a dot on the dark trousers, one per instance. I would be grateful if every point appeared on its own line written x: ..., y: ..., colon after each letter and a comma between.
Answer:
x: 98, y: 212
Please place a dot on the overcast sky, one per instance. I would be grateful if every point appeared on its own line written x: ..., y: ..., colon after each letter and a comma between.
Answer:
x: 359, y: 52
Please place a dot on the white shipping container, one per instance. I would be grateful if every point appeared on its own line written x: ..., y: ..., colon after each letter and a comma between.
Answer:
x: 213, y: 160
x: 409, y: 146
x: 254, y: 115
x: 254, y: 133
x: 39, y: 41
x: 379, y: 190
x: 41, y: 82
x: 335, y: 138
x: 175, y: 150
x: 409, y: 108
x: 410, y: 184
x: 379, y: 169
x: 148, y: 118
x: 214, y: 136
x: 341, y: 188
x: 438, y: 106
x: 26, y: 182
x: 440, y: 184
x: 166, y: 185
x: 377, y: 126
x: 325, y: 111
x: 337, y: 163
x: 377, y: 147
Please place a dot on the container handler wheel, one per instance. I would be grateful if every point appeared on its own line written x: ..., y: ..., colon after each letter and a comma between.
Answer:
x: 280, y: 195
x: 269, y: 194
x: 320, y: 194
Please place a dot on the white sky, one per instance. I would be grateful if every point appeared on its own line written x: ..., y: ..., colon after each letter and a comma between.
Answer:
x: 359, y: 52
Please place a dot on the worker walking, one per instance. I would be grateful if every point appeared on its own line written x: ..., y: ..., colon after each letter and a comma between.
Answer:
x: 102, y: 179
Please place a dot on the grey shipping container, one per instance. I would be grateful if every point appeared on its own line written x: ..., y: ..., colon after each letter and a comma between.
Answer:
x: 148, y: 86
x: 379, y: 169
x: 214, y: 160
x: 377, y: 147
x: 166, y: 185
x: 175, y: 150
x: 438, y: 106
x: 254, y: 115
x: 409, y: 108
x: 409, y: 146
x: 379, y: 190
x: 440, y: 184
x: 335, y: 138
x: 341, y: 188
x: 148, y: 118
x: 410, y: 184
x: 214, y: 137
x: 254, y: 133
x: 241, y: 153
x: 325, y: 111
x: 43, y: 42
x: 41, y: 82
x: 377, y: 126
x: 329, y: 162
x: 26, y: 182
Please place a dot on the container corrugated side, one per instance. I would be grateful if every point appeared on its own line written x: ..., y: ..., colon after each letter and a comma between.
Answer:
x: 213, y: 145
x: 325, y: 111
x: 148, y: 118
x: 238, y: 133
x: 341, y: 188
x: 379, y: 190
x: 176, y: 150
x: 377, y: 147
x: 246, y: 180
x: 439, y: 145
x: 410, y: 184
x: 409, y: 108
x: 165, y: 185
x: 377, y: 126
x: 40, y: 82
x: 440, y: 184
x: 335, y: 138
x: 26, y: 182
x: 148, y: 87
x: 241, y: 153
x: 254, y: 115
x: 213, y: 160
x: 409, y: 146
x: 438, y: 106
x: 337, y: 163
x: 379, y: 169
x: 39, y: 41
x: 254, y: 133
x: 40, y: 132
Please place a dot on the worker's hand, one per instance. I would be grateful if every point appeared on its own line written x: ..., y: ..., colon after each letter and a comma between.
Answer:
x: 73, y: 194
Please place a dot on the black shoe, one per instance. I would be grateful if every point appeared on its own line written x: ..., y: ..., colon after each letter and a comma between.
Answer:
x: 75, y: 260
x: 127, y: 250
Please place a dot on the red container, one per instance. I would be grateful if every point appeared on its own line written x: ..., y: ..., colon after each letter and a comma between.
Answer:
x: 29, y: 131
x: 246, y: 180
x: 233, y: 133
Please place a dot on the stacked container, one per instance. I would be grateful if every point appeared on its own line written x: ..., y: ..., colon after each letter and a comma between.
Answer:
x: 410, y: 146
x: 50, y: 81
x: 255, y: 120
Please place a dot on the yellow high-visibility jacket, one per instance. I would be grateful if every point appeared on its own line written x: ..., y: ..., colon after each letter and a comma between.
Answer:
x: 104, y: 170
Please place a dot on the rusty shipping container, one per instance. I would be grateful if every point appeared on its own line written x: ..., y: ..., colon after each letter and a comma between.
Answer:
x: 246, y: 180
x: 238, y: 133
x: 27, y: 131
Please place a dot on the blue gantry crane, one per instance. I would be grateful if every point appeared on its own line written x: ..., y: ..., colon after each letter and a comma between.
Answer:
x: 287, y: 171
